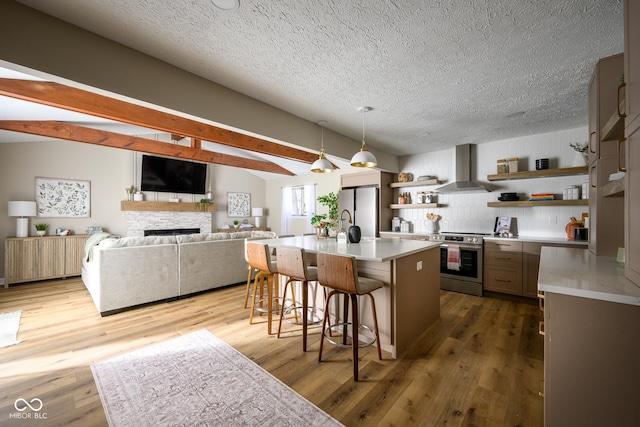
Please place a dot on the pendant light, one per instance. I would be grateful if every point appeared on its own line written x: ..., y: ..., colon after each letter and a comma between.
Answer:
x: 322, y: 165
x: 363, y: 158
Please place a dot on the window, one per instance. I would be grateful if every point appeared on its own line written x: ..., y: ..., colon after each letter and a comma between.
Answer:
x: 298, y: 205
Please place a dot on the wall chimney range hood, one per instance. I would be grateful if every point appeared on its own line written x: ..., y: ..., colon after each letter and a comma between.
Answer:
x: 463, y: 182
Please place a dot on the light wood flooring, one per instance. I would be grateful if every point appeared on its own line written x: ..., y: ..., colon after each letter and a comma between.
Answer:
x: 479, y: 365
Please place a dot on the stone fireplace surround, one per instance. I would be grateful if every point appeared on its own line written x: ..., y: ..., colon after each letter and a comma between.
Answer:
x: 139, y: 221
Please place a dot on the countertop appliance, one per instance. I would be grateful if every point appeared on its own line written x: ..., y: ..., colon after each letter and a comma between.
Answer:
x: 362, y: 203
x: 468, y: 277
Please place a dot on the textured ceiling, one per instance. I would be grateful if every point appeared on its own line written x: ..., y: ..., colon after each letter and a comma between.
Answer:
x: 437, y: 73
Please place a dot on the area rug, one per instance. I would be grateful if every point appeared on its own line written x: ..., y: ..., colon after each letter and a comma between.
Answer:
x: 198, y: 380
x: 9, y: 325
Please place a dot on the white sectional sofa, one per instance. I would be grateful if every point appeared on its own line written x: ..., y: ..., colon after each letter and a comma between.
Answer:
x: 129, y: 271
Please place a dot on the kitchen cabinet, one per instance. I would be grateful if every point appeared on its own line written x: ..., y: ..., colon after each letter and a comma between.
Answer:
x: 38, y: 258
x: 503, y: 266
x: 606, y: 214
x: 632, y: 134
x: 603, y: 102
x: 512, y: 266
x: 590, y: 362
x: 632, y: 64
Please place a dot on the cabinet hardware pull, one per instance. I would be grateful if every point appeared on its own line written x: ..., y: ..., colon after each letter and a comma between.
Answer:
x: 503, y: 257
x: 541, y: 388
x: 620, y: 168
x: 502, y: 280
x: 541, y: 327
x: 541, y: 300
x: 590, y: 135
x: 620, y: 114
x: 591, y: 180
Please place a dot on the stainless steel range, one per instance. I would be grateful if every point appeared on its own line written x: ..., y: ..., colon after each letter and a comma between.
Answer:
x: 461, y: 261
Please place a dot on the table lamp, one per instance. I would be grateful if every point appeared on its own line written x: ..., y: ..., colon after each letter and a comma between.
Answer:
x: 258, y: 213
x: 22, y: 210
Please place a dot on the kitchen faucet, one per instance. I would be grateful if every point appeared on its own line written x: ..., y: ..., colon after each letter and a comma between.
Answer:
x: 342, y: 218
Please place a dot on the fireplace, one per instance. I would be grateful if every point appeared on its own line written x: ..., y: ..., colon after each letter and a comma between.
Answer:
x: 138, y: 222
x: 171, y: 231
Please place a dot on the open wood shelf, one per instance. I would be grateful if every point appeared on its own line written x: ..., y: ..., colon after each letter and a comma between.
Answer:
x: 614, y: 188
x: 528, y: 203
x: 545, y: 173
x: 415, y: 205
x: 127, y: 205
x: 613, y: 130
x: 415, y: 183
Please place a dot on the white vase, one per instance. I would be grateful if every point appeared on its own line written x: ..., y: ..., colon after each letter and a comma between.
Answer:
x: 41, y: 233
x: 579, y: 159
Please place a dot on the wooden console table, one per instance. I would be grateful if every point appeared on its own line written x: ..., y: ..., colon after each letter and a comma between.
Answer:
x: 28, y: 259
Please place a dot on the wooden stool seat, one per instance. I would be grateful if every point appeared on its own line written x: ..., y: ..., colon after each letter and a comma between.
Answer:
x: 340, y: 273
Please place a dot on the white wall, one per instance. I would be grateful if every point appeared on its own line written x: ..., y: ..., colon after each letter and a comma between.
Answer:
x: 469, y: 212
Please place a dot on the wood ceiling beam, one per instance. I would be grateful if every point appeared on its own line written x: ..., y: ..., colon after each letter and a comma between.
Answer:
x: 81, y: 101
x: 104, y: 138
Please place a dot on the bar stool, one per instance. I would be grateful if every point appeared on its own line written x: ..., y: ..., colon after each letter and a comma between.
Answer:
x: 255, y: 234
x: 340, y: 273
x: 292, y: 262
x: 259, y: 259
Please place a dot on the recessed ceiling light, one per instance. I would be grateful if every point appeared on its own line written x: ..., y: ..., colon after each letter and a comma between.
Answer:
x: 226, y: 5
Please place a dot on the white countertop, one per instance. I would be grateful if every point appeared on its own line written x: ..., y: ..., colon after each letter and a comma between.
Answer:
x: 534, y: 239
x: 369, y: 249
x: 577, y: 272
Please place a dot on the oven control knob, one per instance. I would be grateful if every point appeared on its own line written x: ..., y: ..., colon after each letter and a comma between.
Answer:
x: 473, y: 239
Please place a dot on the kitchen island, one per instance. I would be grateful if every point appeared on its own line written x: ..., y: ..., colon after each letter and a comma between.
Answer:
x: 591, y: 346
x: 409, y: 301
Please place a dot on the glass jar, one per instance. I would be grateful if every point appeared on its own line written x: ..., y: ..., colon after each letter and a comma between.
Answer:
x: 513, y: 165
x: 502, y: 166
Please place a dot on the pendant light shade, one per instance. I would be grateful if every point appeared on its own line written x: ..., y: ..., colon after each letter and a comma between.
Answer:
x: 322, y: 165
x: 363, y: 158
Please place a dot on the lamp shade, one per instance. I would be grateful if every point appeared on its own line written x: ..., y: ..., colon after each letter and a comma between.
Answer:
x: 22, y: 209
x: 322, y: 165
x: 364, y: 159
x: 257, y: 211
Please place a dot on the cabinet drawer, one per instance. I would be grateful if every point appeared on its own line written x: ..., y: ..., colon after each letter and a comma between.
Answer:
x: 503, y: 246
x: 507, y: 281
x: 506, y: 258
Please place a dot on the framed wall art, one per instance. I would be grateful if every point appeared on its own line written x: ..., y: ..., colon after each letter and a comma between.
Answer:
x: 238, y: 204
x: 63, y: 198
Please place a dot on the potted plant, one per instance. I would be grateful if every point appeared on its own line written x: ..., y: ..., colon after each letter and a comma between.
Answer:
x: 236, y: 223
x: 318, y: 222
x: 204, y: 204
x: 41, y: 229
x: 581, y: 156
x: 330, y: 201
x: 130, y: 192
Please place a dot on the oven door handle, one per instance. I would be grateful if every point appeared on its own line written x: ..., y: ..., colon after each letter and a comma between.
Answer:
x: 470, y: 248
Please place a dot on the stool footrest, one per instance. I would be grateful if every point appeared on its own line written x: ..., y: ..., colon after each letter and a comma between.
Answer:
x: 331, y: 338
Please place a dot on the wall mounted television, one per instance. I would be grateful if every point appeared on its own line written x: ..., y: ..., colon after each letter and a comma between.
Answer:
x: 167, y: 175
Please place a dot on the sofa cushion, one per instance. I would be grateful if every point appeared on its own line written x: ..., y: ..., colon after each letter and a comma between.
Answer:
x: 126, y: 242
x: 201, y: 237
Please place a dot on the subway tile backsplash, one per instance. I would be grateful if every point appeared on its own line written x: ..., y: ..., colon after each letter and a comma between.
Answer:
x: 469, y: 212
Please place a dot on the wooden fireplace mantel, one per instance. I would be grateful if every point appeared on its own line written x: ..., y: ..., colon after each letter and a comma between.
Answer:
x: 127, y: 205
